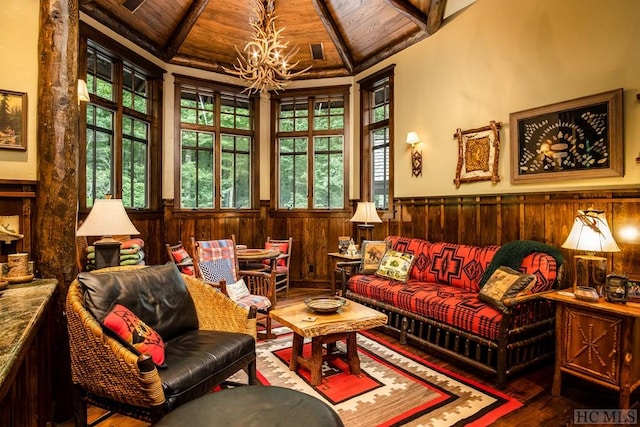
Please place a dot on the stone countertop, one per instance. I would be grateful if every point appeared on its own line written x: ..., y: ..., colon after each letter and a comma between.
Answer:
x: 21, y: 308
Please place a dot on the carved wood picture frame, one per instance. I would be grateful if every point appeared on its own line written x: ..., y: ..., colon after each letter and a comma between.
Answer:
x: 580, y: 138
x: 478, y: 154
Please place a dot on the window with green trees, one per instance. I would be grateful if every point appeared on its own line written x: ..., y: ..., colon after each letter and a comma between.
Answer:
x: 120, y: 125
x: 376, y: 93
x: 311, y: 148
x: 215, y: 142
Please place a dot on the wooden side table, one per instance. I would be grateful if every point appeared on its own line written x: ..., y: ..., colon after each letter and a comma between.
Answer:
x: 597, y: 341
x: 336, y: 257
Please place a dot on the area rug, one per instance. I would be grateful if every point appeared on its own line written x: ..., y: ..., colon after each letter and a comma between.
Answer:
x: 395, y: 388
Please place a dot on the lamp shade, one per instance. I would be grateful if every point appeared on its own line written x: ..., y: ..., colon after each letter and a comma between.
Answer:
x: 83, y: 92
x: 591, y: 233
x: 412, y: 138
x: 366, y: 212
x: 107, y: 218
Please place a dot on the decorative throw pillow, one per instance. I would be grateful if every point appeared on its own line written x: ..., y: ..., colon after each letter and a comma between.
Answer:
x: 237, y: 290
x: 184, y: 261
x: 282, y: 247
x: 395, y: 265
x: 372, y: 252
x: 505, y: 283
x: 216, y: 270
x: 134, y: 332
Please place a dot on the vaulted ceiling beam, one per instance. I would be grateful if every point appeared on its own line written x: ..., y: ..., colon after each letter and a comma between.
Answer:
x: 337, y: 39
x: 436, y: 14
x: 411, y: 12
x: 184, y: 28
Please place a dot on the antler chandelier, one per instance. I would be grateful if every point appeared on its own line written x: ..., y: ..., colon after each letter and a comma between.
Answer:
x: 264, y: 63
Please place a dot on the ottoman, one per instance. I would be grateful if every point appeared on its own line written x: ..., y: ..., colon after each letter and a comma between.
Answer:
x: 254, y: 405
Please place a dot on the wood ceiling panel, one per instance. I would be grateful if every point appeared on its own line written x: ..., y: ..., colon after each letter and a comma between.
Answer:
x: 155, y: 20
x: 369, y: 26
x: 355, y: 34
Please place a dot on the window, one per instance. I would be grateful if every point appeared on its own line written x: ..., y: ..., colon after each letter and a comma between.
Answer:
x: 311, y: 148
x: 121, y: 151
x: 376, y: 101
x: 216, y: 146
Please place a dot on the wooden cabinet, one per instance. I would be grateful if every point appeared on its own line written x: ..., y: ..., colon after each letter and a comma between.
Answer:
x: 598, y: 342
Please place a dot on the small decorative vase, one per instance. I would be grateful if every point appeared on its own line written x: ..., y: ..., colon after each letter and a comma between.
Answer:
x: 18, y: 268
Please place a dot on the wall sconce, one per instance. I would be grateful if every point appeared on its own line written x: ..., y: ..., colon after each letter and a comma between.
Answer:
x: 416, y: 156
x: 83, y: 92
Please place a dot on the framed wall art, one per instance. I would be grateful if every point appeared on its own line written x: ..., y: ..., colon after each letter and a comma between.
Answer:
x: 581, y: 138
x: 478, y: 154
x: 13, y: 120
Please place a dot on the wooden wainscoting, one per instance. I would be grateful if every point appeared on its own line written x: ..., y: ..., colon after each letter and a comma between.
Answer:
x: 477, y: 220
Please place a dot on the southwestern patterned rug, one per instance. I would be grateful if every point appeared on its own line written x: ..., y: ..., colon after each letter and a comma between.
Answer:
x: 395, y: 388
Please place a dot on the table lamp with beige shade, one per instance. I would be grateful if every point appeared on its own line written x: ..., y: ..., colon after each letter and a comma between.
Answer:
x: 365, y: 215
x: 590, y: 233
x: 107, y: 218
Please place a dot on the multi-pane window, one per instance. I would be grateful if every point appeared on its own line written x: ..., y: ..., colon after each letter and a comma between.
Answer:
x: 311, y: 148
x: 120, y: 155
x: 377, y: 138
x: 216, y: 146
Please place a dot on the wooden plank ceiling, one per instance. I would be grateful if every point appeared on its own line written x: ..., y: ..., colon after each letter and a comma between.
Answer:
x: 204, y: 34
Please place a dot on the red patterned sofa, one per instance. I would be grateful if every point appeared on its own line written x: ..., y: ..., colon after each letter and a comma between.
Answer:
x: 438, y: 307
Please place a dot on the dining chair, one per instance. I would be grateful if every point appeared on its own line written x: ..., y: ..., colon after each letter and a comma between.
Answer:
x: 216, y: 263
x: 282, y: 263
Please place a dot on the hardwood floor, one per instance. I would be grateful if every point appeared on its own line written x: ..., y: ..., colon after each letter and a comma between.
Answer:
x: 533, y: 389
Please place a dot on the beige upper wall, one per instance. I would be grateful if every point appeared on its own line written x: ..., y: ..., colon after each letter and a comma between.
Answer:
x: 502, y: 56
x: 19, y: 73
x: 494, y: 58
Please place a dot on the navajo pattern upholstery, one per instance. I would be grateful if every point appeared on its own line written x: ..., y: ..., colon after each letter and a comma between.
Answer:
x: 447, y: 304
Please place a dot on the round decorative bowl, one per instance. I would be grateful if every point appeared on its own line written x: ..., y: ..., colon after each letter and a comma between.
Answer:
x: 586, y: 293
x: 325, y: 305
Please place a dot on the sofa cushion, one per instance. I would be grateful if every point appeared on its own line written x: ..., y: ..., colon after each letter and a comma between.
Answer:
x: 505, y: 283
x: 372, y: 253
x: 461, y: 266
x: 395, y: 265
x: 135, y: 334
x: 156, y: 294
x: 420, y: 250
x: 198, y: 360
x: 447, y: 304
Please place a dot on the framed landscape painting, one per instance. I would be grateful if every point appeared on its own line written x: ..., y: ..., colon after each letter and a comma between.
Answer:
x: 581, y: 138
x: 13, y: 120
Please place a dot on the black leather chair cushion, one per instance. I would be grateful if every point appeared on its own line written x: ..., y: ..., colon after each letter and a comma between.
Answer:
x: 156, y: 294
x: 199, y: 360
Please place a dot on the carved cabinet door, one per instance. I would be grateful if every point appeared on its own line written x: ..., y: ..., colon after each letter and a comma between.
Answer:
x: 592, y: 344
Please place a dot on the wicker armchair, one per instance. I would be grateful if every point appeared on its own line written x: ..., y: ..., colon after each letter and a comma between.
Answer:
x: 109, y: 375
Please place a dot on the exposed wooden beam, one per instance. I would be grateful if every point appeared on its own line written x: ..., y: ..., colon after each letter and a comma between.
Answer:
x: 111, y: 21
x: 337, y: 39
x: 184, y: 28
x: 393, y: 47
x: 411, y: 12
x: 436, y: 13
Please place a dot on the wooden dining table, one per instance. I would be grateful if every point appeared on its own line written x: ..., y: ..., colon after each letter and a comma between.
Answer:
x: 249, y: 255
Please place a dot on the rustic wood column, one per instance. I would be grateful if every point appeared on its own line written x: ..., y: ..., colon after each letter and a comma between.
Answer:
x: 56, y: 203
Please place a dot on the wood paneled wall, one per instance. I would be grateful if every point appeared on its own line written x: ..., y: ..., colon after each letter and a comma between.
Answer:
x: 477, y: 220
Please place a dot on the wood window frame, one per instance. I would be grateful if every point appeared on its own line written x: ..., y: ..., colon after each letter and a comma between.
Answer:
x: 155, y: 76
x: 367, y: 86
x: 311, y: 94
x: 217, y: 89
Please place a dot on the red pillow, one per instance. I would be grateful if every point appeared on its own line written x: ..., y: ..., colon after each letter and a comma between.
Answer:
x: 282, y: 247
x: 136, y: 333
x: 181, y: 256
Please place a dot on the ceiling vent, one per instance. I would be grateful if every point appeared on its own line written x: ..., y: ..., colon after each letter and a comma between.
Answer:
x: 317, y: 51
x: 133, y: 5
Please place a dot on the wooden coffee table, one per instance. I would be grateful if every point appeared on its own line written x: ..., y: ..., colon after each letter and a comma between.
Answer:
x: 326, y: 329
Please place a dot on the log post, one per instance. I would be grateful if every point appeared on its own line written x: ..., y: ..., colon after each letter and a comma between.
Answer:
x: 56, y: 203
